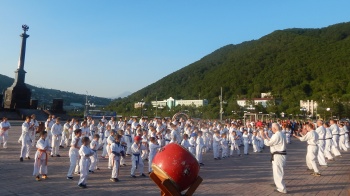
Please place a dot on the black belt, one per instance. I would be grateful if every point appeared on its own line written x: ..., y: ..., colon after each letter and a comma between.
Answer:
x: 335, y: 134
x: 342, y: 134
x: 329, y: 138
x: 277, y: 152
x: 321, y: 139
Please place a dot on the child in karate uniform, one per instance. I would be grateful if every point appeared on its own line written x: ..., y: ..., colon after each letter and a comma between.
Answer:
x: 153, y: 149
x: 94, y: 145
x: 117, y: 150
x: 234, y: 139
x: 185, y: 143
x: 41, y: 155
x: 199, y: 148
x: 74, y: 154
x: 137, y: 163
x: 246, y: 142
x: 216, y: 145
x: 85, y: 152
x: 224, y: 146
x: 255, y: 142
x: 192, y: 142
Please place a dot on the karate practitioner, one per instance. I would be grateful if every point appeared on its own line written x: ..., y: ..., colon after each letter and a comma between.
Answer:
x: 4, y: 131
x: 25, y: 138
x: 321, y: 131
x: 74, y: 154
x: 56, y: 132
x: 137, y: 163
x: 278, y: 147
x: 117, y: 150
x: 41, y: 156
x: 85, y: 152
x: 312, y: 140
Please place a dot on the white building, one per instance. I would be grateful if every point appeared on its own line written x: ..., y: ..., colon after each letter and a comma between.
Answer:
x: 255, y: 101
x: 309, y: 105
x: 171, y: 102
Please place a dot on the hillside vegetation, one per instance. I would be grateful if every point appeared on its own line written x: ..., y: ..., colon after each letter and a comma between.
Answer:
x: 292, y: 64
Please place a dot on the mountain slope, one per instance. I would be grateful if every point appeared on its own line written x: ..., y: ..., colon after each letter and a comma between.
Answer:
x: 293, y: 64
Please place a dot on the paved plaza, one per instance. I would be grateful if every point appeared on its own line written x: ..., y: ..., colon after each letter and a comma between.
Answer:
x: 247, y: 175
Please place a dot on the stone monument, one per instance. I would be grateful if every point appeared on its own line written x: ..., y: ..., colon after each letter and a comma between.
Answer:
x: 18, y: 95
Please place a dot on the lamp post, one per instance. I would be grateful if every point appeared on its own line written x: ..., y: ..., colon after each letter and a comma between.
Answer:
x: 303, y: 110
x: 329, y: 109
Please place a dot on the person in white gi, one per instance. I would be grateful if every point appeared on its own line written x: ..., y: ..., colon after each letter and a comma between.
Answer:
x: 192, y: 142
x: 117, y: 150
x: 199, y: 147
x: 335, y: 132
x: 85, y: 152
x: 234, y: 143
x: 94, y: 145
x: 41, y: 156
x: 153, y: 149
x: 321, y: 131
x: 26, y: 141
x: 329, y: 142
x: 48, y: 125
x: 136, y: 159
x: 216, y: 145
x: 278, y: 147
x: 33, y: 129
x: 74, y: 154
x: 56, y: 132
x: 4, y: 131
x: 342, y: 129
x: 312, y: 140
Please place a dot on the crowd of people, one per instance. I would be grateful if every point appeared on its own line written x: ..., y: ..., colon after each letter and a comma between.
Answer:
x: 140, y: 139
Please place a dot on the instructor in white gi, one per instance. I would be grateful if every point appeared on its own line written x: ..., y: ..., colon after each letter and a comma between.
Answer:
x: 277, y: 145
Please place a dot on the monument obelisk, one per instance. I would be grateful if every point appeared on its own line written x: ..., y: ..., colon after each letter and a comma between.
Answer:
x: 18, y: 95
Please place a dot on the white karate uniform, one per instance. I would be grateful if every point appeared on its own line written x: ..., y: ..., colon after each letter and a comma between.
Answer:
x: 48, y: 125
x: 312, y: 140
x: 4, y: 134
x: 255, y: 144
x: 342, y: 139
x: 85, y: 152
x: 199, y: 146
x: 321, y: 131
x: 224, y: 146
x: 246, y: 143
x: 192, y: 148
x: 110, y: 141
x: 277, y: 143
x: 137, y: 162
x: 186, y: 144
x: 234, y: 145
x: 335, y: 132
x: 56, y: 132
x: 94, y: 145
x: 65, y: 135
x: 26, y: 141
x: 153, y: 149
x: 328, y: 144
x: 74, y: 156
x: 32, y: 131
x: 346, y: 137
x: 41, y: 155
x: 128, y: 140
x: 116, y: 152
x: 216, y: 146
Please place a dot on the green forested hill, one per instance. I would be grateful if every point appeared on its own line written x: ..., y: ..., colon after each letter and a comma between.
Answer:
x: 293, y: 64
x: 45, y: 96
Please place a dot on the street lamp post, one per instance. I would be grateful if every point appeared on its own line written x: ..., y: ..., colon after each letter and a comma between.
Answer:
x: 303, y: 110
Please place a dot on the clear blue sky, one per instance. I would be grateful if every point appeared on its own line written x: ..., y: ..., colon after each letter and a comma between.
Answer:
x: 108, y: 47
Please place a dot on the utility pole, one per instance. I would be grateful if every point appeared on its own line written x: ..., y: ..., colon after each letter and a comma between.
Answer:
x: 221, y: 110
x: 156, y: 106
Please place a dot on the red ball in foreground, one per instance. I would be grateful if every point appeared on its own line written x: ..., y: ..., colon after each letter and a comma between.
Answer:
x: 176, y: 163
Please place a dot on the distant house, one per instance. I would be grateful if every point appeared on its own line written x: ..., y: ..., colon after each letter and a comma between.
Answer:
x: 171, y: 102
x: 265, y: 98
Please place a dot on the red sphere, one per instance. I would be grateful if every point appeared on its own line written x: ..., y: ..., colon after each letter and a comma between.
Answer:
x: 176, y: 163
